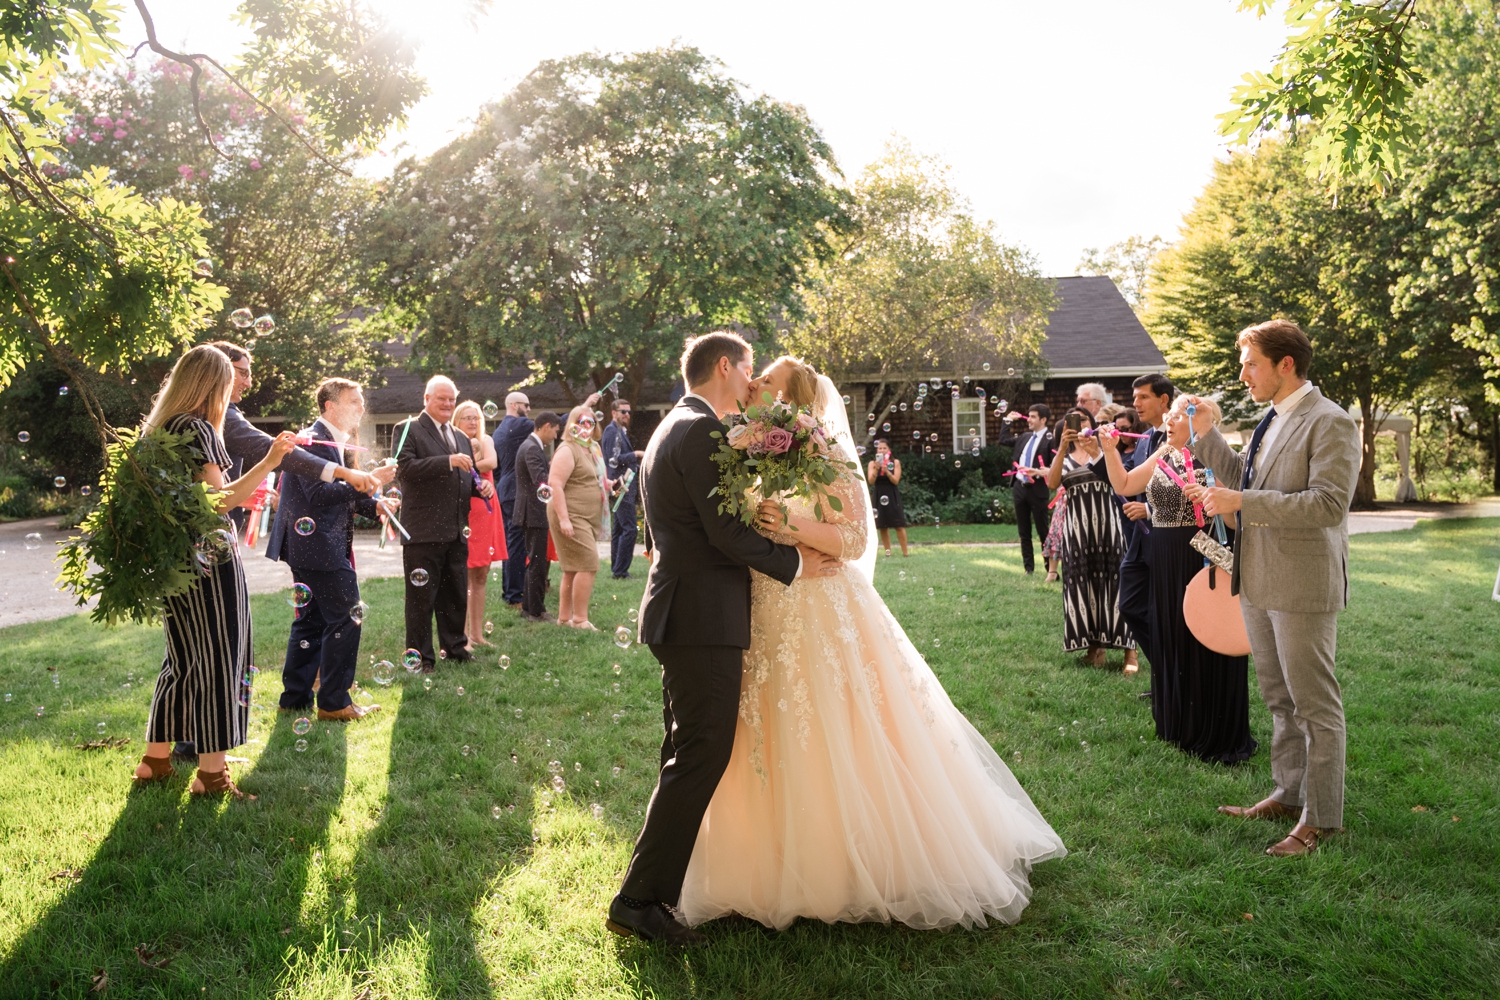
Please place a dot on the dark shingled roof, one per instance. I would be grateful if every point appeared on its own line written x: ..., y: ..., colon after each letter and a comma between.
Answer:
x: 1093, y: 327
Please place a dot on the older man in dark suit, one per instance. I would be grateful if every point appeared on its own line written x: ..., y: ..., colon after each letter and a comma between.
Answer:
x: 314, y: 534
x: 508, y: 437
x: 532, y: 465
x: 435, y: 469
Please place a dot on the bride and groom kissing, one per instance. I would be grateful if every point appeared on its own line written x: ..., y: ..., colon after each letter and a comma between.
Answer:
x: 813, y: 765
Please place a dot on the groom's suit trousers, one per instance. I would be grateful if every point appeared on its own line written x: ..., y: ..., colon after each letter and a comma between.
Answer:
x: 700, y: 707
x: 1294, y: 656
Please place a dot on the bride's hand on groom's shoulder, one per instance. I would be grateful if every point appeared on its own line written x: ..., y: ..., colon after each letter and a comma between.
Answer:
x: 818, y: 563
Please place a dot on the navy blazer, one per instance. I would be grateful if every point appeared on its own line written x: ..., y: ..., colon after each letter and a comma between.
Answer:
x: 332, y: 507
x: 1134, y: 535
x: 248, y: 444
x: 508, y: 437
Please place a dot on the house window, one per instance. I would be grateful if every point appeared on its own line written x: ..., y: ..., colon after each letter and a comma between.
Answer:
x: 384, y: 435
x: 968, y: 424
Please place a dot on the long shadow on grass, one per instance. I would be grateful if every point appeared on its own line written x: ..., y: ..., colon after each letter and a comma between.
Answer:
x: 175, y: 872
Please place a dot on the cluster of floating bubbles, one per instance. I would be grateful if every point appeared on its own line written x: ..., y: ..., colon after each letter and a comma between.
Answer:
x: 419, y: 577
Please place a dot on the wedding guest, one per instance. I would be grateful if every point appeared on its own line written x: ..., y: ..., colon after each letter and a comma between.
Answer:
x: 620, y: 457
x: 1093, y: 544
x: 533, y: 497
x: 576, y: 515
x: 1128, y: 421
x: 1200, y: 698
x: 1091, y: 397
x: 1107, y: 414
x: 198, y: 695
x: 1152, y: 396
x: 435, y: 467
x: 884, y: 476
x: 508, y: 437
x: 486, y: 525
x: 1032, y: 450
x: 314, y: 534
x: 1295, y: 480
x: 1053, y: 545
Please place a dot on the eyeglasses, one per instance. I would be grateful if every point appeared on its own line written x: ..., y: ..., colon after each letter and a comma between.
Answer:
x: 623, y: 413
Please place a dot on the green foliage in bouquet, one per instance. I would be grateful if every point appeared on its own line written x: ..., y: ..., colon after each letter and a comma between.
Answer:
x: 773, y: 450
x: 140, y: 538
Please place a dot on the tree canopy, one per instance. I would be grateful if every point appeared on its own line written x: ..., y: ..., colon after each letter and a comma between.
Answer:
x: 604, y: 210
x: 1127, y: 263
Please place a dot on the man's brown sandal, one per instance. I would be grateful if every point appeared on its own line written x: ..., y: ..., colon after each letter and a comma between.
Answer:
x: 1264, y: 809
x: 161, y: 770
x: 1294, y: 846
x: 219, y: 783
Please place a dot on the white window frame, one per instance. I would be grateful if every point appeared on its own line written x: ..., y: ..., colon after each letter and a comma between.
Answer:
x: 973, y: 419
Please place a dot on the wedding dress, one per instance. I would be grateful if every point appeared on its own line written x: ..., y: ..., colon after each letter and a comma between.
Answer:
x: 856, y: 790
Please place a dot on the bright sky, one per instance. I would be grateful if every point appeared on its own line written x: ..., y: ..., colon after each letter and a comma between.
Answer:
x: 1070, y: 124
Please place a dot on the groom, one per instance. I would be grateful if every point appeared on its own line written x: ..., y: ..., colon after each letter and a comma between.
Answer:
x: 1295, y: 479
x: 696, y: 618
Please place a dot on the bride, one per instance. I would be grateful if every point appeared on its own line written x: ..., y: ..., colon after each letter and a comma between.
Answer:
x: 856, y: 790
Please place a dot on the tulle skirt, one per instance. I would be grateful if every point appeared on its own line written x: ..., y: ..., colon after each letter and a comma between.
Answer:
x: 856, y: 790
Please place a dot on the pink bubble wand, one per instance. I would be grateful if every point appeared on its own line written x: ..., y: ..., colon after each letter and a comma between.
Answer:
x: 1172, y: 474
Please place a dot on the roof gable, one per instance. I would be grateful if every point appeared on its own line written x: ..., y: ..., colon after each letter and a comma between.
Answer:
x: 1094, y: 329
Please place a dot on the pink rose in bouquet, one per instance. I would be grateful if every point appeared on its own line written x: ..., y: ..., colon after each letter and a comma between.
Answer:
x: 806, y: 421
x: 778, y: 440
x: 739, y: 437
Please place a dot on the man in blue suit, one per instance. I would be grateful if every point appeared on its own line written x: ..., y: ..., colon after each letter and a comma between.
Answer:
x: 314, y: 534
x: 1152, y: 397
x: 508, y: 437
x: 619, y: 457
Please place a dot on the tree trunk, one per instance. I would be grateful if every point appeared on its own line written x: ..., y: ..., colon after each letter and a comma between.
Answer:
x: 1495, y: 451
x: 1364, y: 493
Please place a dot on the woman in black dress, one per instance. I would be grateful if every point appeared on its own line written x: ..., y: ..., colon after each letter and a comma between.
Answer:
x: 1093, y: 545
x: 1200, y: 698
x: 884, y: 474
x: 198, y: 696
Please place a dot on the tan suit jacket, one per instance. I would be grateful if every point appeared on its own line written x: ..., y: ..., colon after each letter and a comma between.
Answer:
x: 1292, y: 549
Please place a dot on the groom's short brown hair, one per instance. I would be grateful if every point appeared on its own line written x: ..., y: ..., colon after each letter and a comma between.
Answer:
x: 1277, y: 339
x: 700, y: 356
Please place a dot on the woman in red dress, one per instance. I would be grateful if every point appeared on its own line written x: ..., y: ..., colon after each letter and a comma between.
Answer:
x: 486, y: 528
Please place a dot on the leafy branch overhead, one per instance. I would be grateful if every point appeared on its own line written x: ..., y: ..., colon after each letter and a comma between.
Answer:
x: 1346, y: 72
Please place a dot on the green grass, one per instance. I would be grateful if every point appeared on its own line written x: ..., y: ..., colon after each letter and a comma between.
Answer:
x: 370, y: 866
x: 962, y: 534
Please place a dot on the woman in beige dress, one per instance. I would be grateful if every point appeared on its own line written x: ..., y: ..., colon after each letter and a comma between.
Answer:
x: 856, y: 790
x: 576, y: 514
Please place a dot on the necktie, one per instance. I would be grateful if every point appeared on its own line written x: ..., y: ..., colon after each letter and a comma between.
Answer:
x: 448, y: 438
x: 1255, y: 439
x: 1028, y: 455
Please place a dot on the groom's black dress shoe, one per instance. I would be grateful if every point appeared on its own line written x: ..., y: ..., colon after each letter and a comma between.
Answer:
x: 653, y: 922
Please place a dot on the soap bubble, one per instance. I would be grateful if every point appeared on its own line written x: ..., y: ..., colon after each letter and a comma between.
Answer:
x: 597, y: 810
x: 460, y: 691
x: 60, y: 482
x: 860, y: 450
x: 214, y: 549
x: 622, y: 637
x: 34, y: 540
x: 958, y: 463
x: 23, y: 437
x: 62, y: 390
x: 427, y: 683
x: 518, y: 713
x: 869, y: 418
x: 884, y: 500
x: 617, y: 687
x: 544, y: 493
x: 489, y: 628
x: 241, y: 318
x: 846, y: 400
x: 85, y: 490
x: 916, y: 435
x: 930, y: 591
x: 932, y: 436
x: 974, y: 451
x: 305, y: 526
x: 616, y: 668
x: 246, y: 692
x: 490, y: 410
x: 384, y: 672
x: 504, y: 662
x: 547, y: 676
x: 632, y: 614
x: 1010, y: 371
x: 301, y: 595
x: 264, y: 325
x: 615, y: 718
x: 305, y: 644
x: 418, y: 577
x: 100, y: 728
x: 299, y: 746
x: 917, y: 405
x: 302, y: 726
x: 412, y: 660
x: 359, y: 613
x: 886, y: 426
x: 203, y: 267
x: 466, y: 532
x: 937, y: 642
x: 902, y: 574
x: 985, y: 366
x: 558, y: 784
x: 902, y: 407
x: 496, y: 812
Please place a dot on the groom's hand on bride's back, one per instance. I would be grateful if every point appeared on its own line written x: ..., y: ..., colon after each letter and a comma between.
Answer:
x: 816, y: 563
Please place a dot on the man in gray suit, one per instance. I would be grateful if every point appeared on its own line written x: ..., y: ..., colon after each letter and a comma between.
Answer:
x: 1295, y: 479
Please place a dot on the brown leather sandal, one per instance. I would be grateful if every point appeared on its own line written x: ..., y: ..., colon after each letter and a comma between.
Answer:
x: 219, y: 783
x: 1264, y: 809
x: 161, y: 770
x: 1294, y: 846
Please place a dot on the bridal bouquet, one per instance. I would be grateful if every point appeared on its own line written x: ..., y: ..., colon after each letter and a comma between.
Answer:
x: 770, y: 449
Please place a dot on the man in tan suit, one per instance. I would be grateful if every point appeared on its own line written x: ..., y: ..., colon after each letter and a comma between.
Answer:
x: 1295, y: 479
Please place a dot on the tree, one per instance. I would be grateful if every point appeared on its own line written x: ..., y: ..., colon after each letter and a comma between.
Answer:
x: 283, y: 225
x: 917, y: 282
x: 1264, y: 241
x: 1127, y: 263
x: 604, y: 210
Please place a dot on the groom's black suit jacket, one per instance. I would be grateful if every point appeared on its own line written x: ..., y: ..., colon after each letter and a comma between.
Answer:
x: 698, y: 590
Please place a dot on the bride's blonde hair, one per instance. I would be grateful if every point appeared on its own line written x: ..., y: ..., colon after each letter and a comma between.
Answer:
x: 801, y: 380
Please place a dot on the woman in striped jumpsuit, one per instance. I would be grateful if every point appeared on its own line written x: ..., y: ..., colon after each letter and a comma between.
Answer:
x: 197, y: 696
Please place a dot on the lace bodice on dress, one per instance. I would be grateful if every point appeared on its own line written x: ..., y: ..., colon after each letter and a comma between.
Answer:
x: 849, y: 522
x: 1170, y: 508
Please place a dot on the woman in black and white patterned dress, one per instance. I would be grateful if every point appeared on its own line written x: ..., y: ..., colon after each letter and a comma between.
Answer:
x: 1093, y: 545
x: 197, y: 696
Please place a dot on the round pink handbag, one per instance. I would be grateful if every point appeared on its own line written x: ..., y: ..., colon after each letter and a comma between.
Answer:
x: 1213, y: 614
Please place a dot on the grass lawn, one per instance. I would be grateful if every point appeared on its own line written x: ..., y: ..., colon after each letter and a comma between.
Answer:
x: 422, y: 854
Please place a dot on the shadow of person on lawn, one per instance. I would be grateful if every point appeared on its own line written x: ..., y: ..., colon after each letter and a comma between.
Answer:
x: 175, y: 871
